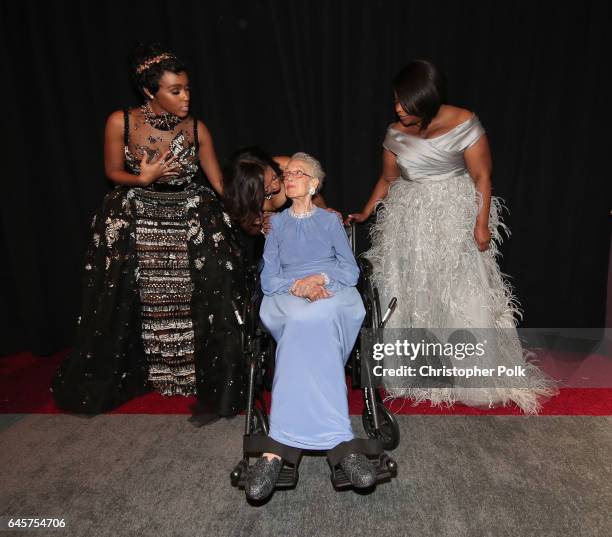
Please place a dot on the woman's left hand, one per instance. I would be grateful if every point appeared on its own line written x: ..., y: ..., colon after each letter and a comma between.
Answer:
x: 300, y: 288
x: 482, y: 236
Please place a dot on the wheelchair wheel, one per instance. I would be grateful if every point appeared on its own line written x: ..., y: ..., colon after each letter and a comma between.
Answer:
x: 388, y: 432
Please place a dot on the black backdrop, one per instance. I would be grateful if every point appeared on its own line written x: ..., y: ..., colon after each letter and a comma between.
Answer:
x: 315, y: 76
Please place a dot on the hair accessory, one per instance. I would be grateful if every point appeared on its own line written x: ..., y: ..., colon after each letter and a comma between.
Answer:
x: 152, y: 61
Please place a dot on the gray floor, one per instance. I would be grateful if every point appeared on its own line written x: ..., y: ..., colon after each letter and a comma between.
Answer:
x: 160, y: 476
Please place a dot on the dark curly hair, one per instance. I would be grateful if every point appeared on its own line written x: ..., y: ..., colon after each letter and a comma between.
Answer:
x: 243, y: 184
x: 421, y: 90
x: 149, y: 78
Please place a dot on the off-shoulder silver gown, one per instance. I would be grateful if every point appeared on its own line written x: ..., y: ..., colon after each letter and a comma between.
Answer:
x: 424, y: 253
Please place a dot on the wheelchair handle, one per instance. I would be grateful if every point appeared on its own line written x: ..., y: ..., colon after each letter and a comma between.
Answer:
x: 389, y: 311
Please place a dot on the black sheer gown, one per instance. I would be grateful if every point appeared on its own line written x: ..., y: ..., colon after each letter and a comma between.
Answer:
x: 161, y: 271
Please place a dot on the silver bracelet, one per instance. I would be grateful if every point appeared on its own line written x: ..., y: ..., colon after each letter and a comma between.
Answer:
x: 325, y: 278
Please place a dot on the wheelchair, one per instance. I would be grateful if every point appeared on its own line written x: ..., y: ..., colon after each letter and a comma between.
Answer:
x: 259, y: 350
x: 378, y: 421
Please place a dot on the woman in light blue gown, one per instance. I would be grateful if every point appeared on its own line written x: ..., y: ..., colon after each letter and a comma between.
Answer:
x: 314, y: 313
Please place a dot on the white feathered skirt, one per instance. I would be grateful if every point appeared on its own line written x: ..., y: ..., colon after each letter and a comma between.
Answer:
x: 424, y: 253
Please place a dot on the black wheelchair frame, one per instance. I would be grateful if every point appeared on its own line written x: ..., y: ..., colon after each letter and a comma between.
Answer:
x: 380, y: 424
x: 259, y: 349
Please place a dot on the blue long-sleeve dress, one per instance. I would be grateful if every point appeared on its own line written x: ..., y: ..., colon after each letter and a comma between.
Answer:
x: 314, y: 339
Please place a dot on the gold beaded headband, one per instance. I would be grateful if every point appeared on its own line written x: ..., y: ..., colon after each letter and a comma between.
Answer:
x: 152, y: 61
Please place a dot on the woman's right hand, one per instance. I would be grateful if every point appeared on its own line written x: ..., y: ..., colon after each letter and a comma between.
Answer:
x: 312, y: 292
x: 162, y: 166
x: 358, y: 218
x: 266, y: 225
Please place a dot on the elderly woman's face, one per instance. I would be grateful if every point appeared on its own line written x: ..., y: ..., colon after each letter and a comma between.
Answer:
x: 271, y: 181
x: 298, y: 179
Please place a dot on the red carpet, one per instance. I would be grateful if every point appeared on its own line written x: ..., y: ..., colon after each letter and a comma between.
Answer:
x: 25, y: 380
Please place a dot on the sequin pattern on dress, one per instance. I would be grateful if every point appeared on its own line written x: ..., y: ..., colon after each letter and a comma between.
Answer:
x: 165, y: 291
x: 161, y: 270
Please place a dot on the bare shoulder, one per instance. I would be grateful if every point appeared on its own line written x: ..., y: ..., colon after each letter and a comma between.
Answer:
x: 115, y: 119
x: 201, y: 125
x: 204, y: 135
x: 455, y: 115
x: 397, y: 126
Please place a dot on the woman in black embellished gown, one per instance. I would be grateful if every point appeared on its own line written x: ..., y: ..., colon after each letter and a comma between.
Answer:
x: 163, y: 265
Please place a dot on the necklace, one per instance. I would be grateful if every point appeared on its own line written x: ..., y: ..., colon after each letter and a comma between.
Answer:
x: 302, y: 215
x: 162, y: 122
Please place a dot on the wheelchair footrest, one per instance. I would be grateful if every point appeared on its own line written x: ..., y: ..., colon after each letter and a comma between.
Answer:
x: 386, y: 468
x: 288, y: 477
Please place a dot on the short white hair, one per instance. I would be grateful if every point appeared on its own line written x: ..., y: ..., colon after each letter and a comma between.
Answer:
x: 314, y: 164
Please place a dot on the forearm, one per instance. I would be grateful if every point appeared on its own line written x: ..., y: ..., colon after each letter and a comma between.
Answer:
x: 275, y: 285
x: 345, y: 271
x: 346, y: 274
x: 216, y: 181
x: 122, y: 177
x: 208, y: 159
x: 483, y: 187
x: 272, y: 279
x: 381, y: 189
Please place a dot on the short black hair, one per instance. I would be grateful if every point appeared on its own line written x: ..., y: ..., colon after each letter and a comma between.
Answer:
x: 149, y: 78
x: 420, y: 89
x: 243, y: 184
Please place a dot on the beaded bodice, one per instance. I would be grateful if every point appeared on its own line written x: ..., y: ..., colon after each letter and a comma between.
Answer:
x: 182, y: 140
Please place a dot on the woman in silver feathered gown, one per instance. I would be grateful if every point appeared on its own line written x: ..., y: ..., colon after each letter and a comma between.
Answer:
x: 435, y: 244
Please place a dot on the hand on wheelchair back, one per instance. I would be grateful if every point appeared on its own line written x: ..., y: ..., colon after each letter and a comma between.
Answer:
x: 358, y: 218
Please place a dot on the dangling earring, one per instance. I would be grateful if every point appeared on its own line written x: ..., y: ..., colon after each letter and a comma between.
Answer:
x: 311, y: 191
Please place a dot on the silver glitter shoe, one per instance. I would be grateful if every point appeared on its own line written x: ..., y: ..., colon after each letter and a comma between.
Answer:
x: 261, y: 478
x: 359, y: 470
